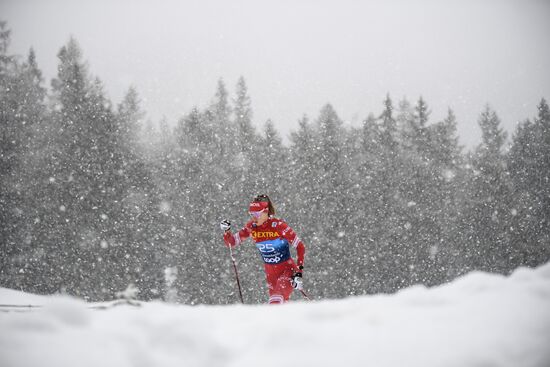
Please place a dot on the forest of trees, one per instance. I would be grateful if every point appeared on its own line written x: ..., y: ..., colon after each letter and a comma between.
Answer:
x: 94, y: 198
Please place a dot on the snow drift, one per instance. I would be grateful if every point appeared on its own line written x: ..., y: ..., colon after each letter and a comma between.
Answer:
x: 478, y: 320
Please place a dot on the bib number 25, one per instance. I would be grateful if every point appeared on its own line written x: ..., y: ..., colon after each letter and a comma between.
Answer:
x: 266, y: 248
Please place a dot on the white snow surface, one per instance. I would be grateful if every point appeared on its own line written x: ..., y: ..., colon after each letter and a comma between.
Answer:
x: 478, y: 320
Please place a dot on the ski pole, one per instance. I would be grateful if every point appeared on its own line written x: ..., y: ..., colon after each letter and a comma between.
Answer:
x: 236, y: 273
x: 305, y: 295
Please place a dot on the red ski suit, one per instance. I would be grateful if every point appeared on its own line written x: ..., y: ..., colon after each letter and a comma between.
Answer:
x: 273, y: 240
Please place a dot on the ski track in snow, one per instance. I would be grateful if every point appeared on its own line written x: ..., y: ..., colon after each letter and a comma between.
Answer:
x: 478, y: 320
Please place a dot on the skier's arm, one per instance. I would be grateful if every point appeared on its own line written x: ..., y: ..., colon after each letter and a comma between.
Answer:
x: 293, y: 239
x: 232, y: 240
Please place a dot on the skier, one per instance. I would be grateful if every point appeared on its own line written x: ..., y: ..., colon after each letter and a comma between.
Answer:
x: 273, y: 238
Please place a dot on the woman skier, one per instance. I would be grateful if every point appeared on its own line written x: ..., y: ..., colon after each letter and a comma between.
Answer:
x: 273, y: 238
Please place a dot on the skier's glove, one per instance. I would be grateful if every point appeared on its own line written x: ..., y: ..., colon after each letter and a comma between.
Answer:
x: 225, y: 225
x: 296, y: 281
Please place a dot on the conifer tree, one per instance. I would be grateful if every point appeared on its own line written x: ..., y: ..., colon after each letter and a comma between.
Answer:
x: 405, y: 123
x: 415, y: 185
x: 529, y: 166
x: 130, y: 122
x: 330, y: 209
x: 446, y: 196
x: 331, y: 167
x: 246, y: 140
x: 420, y: 127
x: 9, y: 132
x: 271, y: 155
x: 303, y: 167
x: 83, y: 176
x: 139, y: 221
x: 243, y: 118
x: 224, y: 154
x: 392, y: 267
x: 22, y: 114
x: 224, y: 131
x: 487, y: 215
x: 370, y: 224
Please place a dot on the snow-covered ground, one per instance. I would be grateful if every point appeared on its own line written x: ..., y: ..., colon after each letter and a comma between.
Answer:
x: 478, y: 320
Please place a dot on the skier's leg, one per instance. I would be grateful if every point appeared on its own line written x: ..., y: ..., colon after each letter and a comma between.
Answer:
x: 282, y: 287
x: 285, y: 285
x: 273, y: 275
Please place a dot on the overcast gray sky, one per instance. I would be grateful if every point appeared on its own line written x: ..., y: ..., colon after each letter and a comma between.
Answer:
x: 297, y: 55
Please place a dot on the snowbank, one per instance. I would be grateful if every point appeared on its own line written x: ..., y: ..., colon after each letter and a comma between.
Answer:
x: 478, y: 320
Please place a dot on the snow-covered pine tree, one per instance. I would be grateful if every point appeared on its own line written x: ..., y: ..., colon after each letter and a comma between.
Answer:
x: 529, y: 167
x: 446, y: 197
x: 22, y: 115
x: 302, y: 168
x: 242, y: 111
x: 487, y: 214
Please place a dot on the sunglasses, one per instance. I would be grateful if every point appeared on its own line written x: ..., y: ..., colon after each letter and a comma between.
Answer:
x: 256, y: 214
x: 261, y: 199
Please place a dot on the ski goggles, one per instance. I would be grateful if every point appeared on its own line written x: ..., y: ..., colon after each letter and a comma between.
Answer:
x: 257, y: 214
x: 256, y: 206
x: 261, y: 199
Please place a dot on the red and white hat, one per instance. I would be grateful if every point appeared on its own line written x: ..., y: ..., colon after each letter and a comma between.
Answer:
x: 258, y: 206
